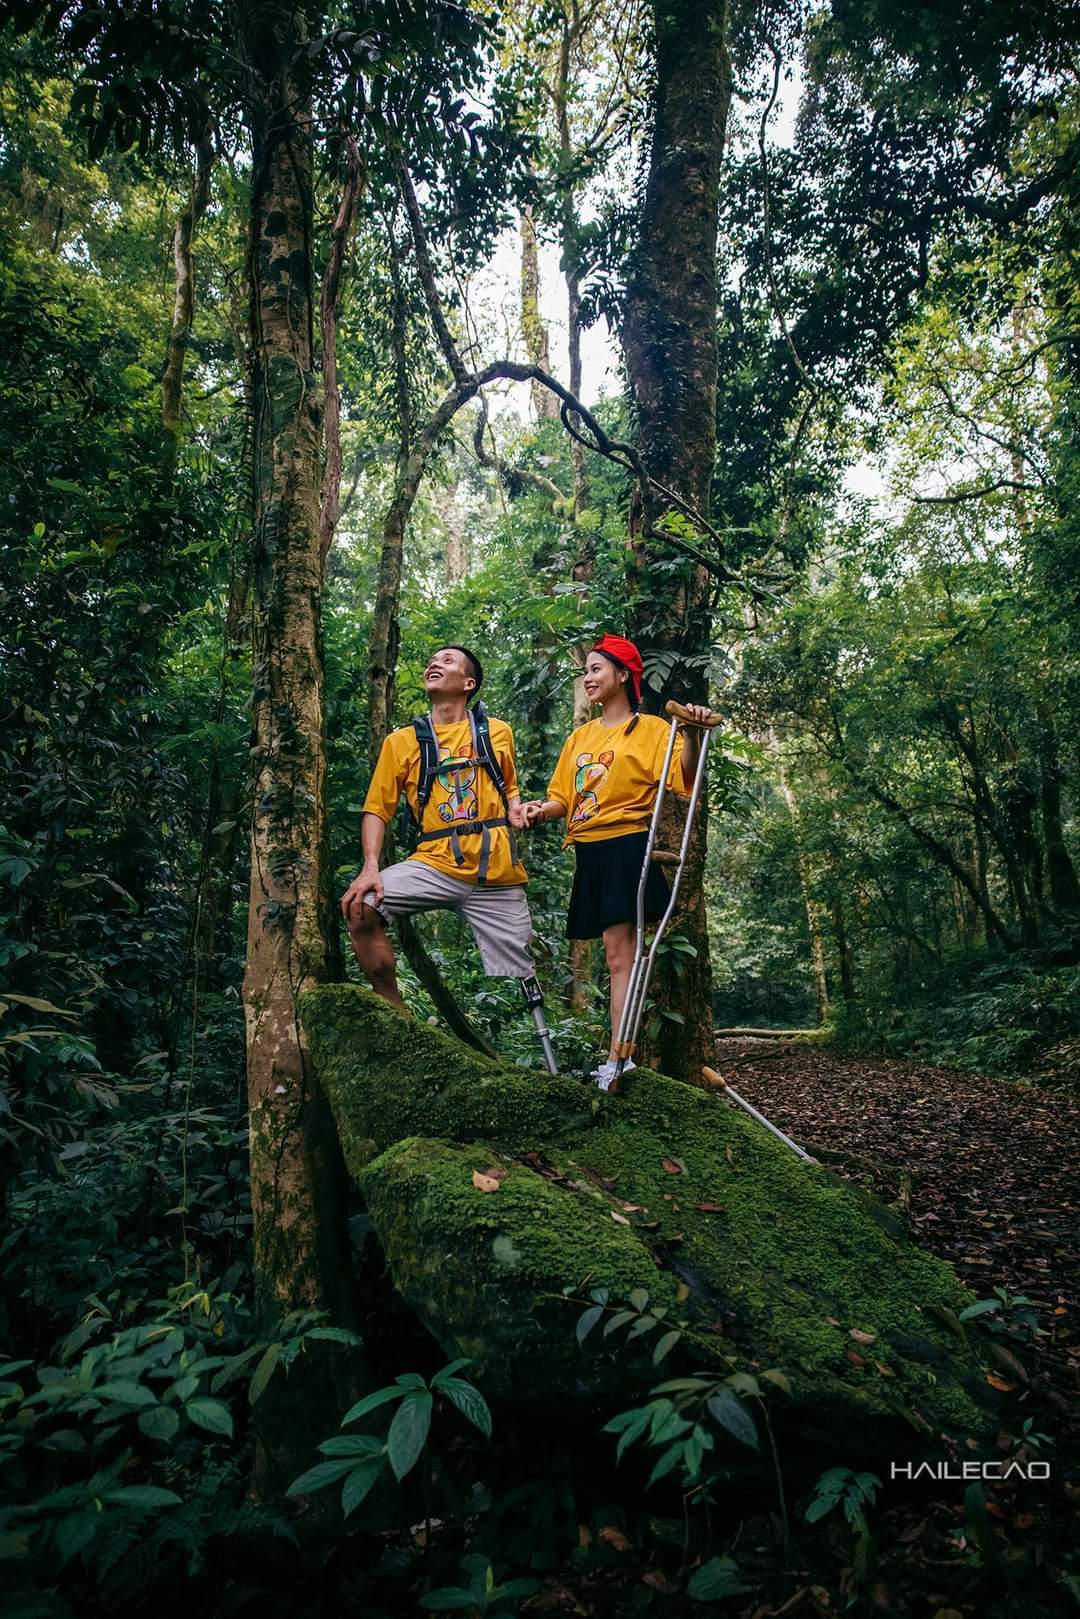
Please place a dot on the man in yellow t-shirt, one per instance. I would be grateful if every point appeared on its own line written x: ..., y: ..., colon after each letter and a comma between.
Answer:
x: 466, y: 856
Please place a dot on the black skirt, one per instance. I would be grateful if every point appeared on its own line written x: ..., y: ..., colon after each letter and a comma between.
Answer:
x: 606, y: 883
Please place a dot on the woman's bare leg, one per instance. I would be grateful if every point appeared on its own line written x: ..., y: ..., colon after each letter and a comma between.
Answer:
x: 619, y: 941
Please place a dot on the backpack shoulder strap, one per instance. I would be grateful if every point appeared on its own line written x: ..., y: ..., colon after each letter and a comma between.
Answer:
x: 483, y: 749
x: 429, y: 762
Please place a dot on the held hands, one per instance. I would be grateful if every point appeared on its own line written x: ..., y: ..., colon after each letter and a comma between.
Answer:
x: 368, y: 882
x: 533, y: 812
x: 515, y: 814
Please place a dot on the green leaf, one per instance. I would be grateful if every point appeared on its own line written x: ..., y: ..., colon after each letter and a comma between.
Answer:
x: 983, y: 1307
x: 619, y: 1320
x: 358, y: 1484
x: 410, y: 1380
x: 73, y: 1532
x: 371, y: 1402
x: 633, y: 1430
x: 667, y: 1463
x: 318, y: 1477
x: 728, y: 1410
x: 69, y: 1439
x: 335, y: 1335
x: 142, y: 1496
x: 125, y: 1393
x: 587, y: 1321
x: 263, y: 1372
x: 643, y: 1324
x: 671, y: 1427
x: 161, y: 1423
x: 639, y: 1299
x: 352, y: 1444
x: 454, y: 1367
x: 409, y: 1431
x: 470, y: 1402
x: 213, y: 1415
x: 665, y: 1345
x: 717, y: 1578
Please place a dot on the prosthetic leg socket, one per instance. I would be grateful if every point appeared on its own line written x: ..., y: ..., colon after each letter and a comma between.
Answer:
x: 534, y: 1000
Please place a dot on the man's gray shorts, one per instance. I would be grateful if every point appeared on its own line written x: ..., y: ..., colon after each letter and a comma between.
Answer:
x: 499, y: 916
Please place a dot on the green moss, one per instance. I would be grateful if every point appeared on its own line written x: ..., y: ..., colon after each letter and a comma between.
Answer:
x: 486, y: 1270
x: 790, y: 1263
x: 389, y: 1077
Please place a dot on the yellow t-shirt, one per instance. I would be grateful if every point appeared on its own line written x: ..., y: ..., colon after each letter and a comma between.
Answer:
x: 462, y: 792
x: 606, y: 777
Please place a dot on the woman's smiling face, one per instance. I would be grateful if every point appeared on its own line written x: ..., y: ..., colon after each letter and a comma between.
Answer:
x: 602, y: 680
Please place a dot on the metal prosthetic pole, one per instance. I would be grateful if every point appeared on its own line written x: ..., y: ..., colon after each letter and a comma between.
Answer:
x: 534, y: 1000
x: 641, y: 971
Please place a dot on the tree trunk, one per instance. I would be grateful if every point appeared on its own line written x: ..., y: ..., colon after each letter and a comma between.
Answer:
x: 814, y: 909
x: 533, y: 329
x: 843, y: 952
x: 328, y: 315
x: 172, y: 380
x: 302, y: 1258
x: 1060, y: 871
x: 669, y: 340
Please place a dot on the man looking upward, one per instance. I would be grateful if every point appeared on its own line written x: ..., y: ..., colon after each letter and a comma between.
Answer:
x: 458, y: 773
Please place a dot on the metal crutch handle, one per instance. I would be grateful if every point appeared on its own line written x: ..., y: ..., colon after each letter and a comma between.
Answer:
x: 684, y: 716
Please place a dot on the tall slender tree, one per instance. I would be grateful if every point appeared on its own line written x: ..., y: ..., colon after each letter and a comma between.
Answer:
x: 669, y: 340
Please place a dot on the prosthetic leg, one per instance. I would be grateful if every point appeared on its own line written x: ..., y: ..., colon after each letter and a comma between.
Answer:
x: 534, y: 1000
x: 638, y: 984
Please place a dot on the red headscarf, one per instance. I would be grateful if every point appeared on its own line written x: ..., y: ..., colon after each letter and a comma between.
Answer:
x: 625, y: 652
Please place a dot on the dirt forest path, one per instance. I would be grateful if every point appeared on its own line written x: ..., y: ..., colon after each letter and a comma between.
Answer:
x: 987, y: 1175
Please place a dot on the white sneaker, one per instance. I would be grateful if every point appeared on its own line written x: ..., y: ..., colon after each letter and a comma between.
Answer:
x: 605, y: 1073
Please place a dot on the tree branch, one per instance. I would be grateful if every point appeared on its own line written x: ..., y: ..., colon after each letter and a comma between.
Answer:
x: 975, y: 494
x: 426, y: 270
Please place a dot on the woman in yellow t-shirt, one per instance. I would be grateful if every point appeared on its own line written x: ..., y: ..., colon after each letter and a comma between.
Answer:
x: 605, y: 785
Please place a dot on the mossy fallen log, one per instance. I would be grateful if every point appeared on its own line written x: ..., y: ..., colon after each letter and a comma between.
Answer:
x: 766, y: 1262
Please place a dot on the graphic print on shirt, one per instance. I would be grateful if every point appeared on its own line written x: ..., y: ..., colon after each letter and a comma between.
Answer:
x: 591, y: 776
x: 457, y: 778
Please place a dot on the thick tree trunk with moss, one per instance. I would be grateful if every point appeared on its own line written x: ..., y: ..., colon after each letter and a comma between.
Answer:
x: 669, y: 340
x: 300, y: 1236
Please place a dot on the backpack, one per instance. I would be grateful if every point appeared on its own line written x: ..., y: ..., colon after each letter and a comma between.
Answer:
x: 484, y: 754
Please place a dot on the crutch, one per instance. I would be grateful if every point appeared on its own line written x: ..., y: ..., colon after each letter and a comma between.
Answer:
x: 641, y: 970
x: 718, y: 1082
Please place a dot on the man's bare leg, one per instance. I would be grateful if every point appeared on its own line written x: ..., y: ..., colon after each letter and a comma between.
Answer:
x: 374, y: 952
